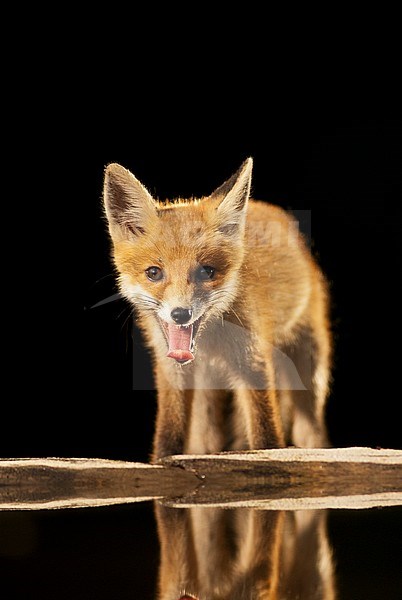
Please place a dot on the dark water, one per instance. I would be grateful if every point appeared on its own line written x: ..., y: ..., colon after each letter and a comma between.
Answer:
x: 114, y: 552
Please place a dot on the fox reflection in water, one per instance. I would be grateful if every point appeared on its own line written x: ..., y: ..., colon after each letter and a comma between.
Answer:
x: 244, y: 554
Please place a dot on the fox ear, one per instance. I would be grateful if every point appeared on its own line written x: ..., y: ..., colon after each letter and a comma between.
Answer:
x: 232, y: 197
x: 128, y: 205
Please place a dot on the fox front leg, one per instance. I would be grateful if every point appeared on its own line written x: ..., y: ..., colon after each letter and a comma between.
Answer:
x: 261, y: 418
x: 171, y: 419
x: 257, y: 402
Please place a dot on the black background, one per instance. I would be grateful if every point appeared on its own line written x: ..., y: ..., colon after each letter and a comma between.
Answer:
x: 182, y: 99
x: 73, y: 394
x: 69, y: 367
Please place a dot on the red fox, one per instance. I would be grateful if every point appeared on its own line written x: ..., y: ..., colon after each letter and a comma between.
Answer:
x: 234, y: 309
x: 244, y: 554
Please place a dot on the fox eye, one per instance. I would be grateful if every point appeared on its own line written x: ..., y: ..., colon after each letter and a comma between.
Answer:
x: 204, y: 273
x: 154, y: 273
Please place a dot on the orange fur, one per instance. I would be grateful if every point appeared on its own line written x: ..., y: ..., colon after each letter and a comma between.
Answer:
x: 244, y: 554
x: 259, y: 371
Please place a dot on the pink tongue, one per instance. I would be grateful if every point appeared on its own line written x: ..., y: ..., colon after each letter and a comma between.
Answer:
x: 179, y: 342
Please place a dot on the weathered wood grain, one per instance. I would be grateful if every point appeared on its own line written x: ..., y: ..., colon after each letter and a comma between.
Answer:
x: 340, y: 477
x: 284, y: 479
x: 39, y: 483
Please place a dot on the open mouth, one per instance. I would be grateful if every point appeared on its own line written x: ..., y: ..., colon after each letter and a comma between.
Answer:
x: 181, y: 340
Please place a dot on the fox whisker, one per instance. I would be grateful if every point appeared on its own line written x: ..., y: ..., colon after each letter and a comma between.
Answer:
x: 130, y: 314
x: 237, y: 316
x: 146, y: 300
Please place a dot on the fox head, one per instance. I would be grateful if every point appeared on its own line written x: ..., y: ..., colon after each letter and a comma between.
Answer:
x: 177, y: 261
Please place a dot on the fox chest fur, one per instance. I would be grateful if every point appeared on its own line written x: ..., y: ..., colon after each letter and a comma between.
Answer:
x: 234, y: 309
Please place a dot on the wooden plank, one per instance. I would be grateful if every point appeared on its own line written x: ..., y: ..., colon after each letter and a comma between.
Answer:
x: 42, y: 483
x: 283, y: 479
x: 290, y: 477
x: 356, y: 502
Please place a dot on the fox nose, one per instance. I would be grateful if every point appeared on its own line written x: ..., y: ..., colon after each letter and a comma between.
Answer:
x: 181, y: 315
